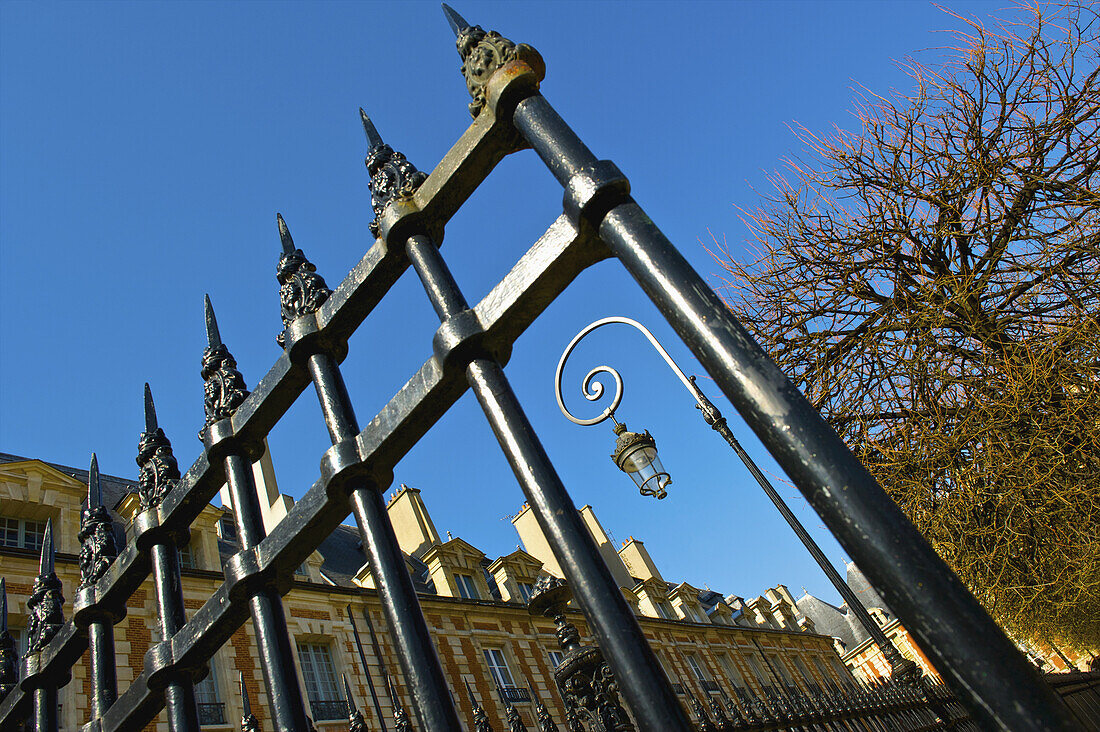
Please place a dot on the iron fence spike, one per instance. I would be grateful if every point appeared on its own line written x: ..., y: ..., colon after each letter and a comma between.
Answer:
x: 45, y: 564
x: 457, y: 22
x: 347, y: 695
x: 244, y: 697
x: 213, y: 337
x: 150, y: 411
x: 373, y: 138
x: 95, y: 493
x: 284, y: 235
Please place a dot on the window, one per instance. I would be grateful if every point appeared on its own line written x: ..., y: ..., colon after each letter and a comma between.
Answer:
x: 466, y: 587
x: 498, y: 667
x: 188, y: 556
x: 319, y: 675
x: 526, y: 589
x: 693, y: 664
x: 211, y: 710
x: 303, y: 570
x: 227, y: 528
x: 556, y: 657
x: 689, y: 614
x: 732, y: 674
x: 781, y: 668
x: 21, y: 533
x: 664, y: 610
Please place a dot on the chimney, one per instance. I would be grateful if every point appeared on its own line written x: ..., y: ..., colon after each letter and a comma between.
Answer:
x: 411, y: 522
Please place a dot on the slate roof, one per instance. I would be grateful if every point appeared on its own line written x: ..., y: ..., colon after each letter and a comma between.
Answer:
x: 837, y: 621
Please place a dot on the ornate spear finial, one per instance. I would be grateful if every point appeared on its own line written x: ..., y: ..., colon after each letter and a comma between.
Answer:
x: 8, y: 672
x: 249, y: 723
x: 45, y: 603
x: 301, y: 289
x: 483, y: 53
x: 481, y: 719
x: 224, y: 386
x: 542, y: 715
x: 373, y: 138
x: 705, y: 725
x: 515, y: 722
x: 97, y: 535
x: 356, y: 723
x: 158, y: 471
x: 392, y: 177
x: 401, y: 721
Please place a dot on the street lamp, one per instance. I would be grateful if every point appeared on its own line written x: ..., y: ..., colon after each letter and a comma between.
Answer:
x: 636, y: 455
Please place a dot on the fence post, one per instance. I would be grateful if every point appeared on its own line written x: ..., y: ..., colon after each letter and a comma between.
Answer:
x: 224, y: 391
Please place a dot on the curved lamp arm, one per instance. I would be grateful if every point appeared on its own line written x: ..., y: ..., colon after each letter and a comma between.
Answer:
x: 593, y: 390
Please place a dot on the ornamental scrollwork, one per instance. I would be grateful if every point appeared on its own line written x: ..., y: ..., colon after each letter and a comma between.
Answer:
x: 301, y: 289
x: 97, y: 544
x: 392, y: 178
x: 158, y: 471
x: 45, y: 611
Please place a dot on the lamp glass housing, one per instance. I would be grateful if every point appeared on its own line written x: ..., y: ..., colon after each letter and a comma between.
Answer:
x: 636, y: 455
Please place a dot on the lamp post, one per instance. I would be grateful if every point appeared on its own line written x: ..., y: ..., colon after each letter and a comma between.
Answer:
x: 636, y: 455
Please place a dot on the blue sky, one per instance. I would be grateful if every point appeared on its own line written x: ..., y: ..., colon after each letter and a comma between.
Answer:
x: 145, y: 148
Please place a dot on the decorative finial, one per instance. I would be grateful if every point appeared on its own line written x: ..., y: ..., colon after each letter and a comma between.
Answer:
x: 392, y: 176
x: 373, y: 138
x: 45, y: 603
x: 158, y: 471
x: 483, y: 53
x: 401, y: 720
x: 8, y: 671
x: 249, y: 723
x: 301, y: 289
x: 515, y: 722
x: 224, y: 389
x: 356, y: 723
x: 95, y: 493
x: 213, y: 337
x: 456, y: 21
x: 481, y: 719
x: 150, y: 411
x: 97, y: 534
x: 542, y: 715
x: 45, y: 562
x: 284, y: 235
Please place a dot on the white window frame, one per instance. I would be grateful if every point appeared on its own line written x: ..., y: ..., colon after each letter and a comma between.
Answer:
x: 733, y: 674
x: 497, y: 661
x: 526, y: 589
x: 206, y: 691
x: 467, y: 587
x: 19, y: 527
x: 318, y: 663
x: 557, y: 658
x: 693, y: 664
x: 189, y: 555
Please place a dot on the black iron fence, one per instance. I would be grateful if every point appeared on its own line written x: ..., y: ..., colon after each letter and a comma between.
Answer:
x: 469, y: 350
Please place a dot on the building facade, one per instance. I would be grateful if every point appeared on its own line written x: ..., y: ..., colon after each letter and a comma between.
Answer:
x: 709, y: 644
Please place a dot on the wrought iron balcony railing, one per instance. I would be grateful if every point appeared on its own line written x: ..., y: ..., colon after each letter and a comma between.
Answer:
x: 514, y: 694
x: 328, y: 709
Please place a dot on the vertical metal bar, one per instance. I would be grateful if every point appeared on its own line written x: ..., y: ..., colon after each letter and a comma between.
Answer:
x: 268, y: 617
x: 303, y: 291
x: 366, y: 669
x: 963, y: 641
x: 647, y: 692
x: 224, y: 392
x: 158, y: 475
x: 97, y: 551
x: 45, y: 709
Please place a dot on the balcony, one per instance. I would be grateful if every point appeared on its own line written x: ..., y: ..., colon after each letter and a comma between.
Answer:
x: 514, y: 694
x: 677, y: 688
x: 708, y: 685
x: 211, y: 713
x: 328, y: 709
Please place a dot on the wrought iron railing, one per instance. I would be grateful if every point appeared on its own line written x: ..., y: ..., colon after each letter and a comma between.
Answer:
x: 469, y: 350
x: 514, y: 694
x: 324, y: 709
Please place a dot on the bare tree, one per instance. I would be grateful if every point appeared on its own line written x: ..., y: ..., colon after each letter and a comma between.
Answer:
x: 931, y: 281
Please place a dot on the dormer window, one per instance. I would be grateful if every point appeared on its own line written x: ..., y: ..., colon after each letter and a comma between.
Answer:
x: 227, y: 528
x: 466, y: 587
x: 188, y: 556
x: 22, y: 533
x: 526, y: 589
